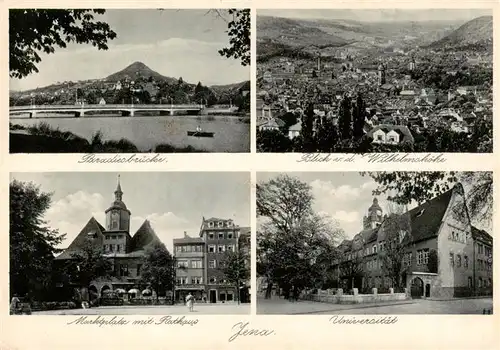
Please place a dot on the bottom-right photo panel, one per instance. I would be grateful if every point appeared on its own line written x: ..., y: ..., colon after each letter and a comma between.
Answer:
x: 374, y: 243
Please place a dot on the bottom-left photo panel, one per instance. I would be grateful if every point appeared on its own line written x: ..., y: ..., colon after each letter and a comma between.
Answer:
x: 130, y: 243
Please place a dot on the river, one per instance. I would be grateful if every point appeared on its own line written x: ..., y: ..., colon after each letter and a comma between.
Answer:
x: 231, y: 134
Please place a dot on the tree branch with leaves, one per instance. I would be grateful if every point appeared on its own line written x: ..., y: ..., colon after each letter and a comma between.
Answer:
x: 33, y: 31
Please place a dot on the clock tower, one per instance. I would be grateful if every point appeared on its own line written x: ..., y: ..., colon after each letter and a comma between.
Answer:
x: 117, y: 215
x: 374, y: 217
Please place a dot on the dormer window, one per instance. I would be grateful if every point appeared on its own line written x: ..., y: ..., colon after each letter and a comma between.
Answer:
x: 220, y: 224
x: 211, y: 224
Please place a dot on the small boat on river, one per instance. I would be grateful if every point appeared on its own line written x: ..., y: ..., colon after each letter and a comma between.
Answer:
x: 200, y: 133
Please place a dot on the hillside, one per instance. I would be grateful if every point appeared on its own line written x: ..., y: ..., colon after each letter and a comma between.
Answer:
x: 135, y: 70
x: 295, y: 32
x: 299, y: 38
x: 478, y: 31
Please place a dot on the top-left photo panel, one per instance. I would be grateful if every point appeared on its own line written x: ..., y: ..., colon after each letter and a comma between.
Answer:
x: 129, y: 80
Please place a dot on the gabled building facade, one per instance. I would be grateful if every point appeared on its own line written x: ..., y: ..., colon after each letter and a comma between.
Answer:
x: 444, y: 255
x: 200, y: 261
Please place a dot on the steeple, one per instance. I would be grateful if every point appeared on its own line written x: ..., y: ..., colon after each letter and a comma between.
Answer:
x: 374, y: 217
x: 118, y: 191
x: 117, y: 215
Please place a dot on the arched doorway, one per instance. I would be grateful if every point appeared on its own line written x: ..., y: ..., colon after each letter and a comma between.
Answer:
x: 93, y: 292
x: 104, y: 288
x: 417, y: 288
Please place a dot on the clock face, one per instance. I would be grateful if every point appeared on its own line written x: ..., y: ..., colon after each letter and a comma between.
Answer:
x: 379, y: 212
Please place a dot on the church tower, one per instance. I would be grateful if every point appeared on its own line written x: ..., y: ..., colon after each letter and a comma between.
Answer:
x: 117, y: 215
x: 374, y: 217
x: 381, y: 74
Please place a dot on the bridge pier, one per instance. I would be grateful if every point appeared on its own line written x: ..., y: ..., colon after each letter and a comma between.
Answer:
x: 32, y: 115
x: 128, y: 113
x: 79, y: 114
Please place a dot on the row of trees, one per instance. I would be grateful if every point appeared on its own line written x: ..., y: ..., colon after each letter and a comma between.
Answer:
x: 35, y: 273
x: 298, y: 249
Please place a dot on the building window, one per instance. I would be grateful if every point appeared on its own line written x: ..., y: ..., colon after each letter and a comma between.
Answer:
x: 221, y: 235
x: 178, y: 249
x: 459, y: 260
x: 118, y: 248
x: 210, y: 235
x: 220, y: 224
x: 452, y: 259
x: 182, y: 280
x: 480, y: 249
x: 211, y: 248
x: 466, y: 261
x: 111, y: 247
x: 196, y: 264
x: 379, y: 138
x: 182, y: 264
x: 230, y: 235
x: 230, y: 296
x: 470, y: 282
x: 211, y: 224
x: 221, y: 248
x: 197, y: 280
x: 230, y: 248
x: 375, y: 249
x: 139, y: 266
x: 123, y: 270
x: 113, y: 237
x: 212, y: 264
x: 212, y: 280
x: 407, y: 261
x: 107, y: 237
x: 199, y: 248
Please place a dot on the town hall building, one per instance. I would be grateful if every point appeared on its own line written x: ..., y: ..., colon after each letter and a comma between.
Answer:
x: 124, y: 250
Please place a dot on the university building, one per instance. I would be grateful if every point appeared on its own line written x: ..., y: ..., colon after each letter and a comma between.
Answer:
x: 444, y: 255
x: 124, y: 250
x: 200, y: 261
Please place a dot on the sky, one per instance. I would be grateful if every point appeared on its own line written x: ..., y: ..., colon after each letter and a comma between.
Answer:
x: 174, y: 43
x: 343, y: 196
x: 380, y: 15
x: 173, y: 202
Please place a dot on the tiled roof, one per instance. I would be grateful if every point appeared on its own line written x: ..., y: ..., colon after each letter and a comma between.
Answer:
x: 92, y: 226
x: 425, y: 221
x: 186, y: 240
x: 481, y: 235
x: 426, y: 218
x: 400, y: 129
x: 144, y: 237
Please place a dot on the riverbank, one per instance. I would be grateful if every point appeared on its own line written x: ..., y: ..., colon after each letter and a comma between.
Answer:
x: 42, y: 138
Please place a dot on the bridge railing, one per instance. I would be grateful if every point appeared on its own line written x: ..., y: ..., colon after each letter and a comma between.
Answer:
x: 103, y: 107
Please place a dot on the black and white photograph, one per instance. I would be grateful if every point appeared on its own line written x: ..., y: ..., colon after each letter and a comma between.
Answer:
x: 389, y: 243
x: 129, y: 80
x: 130, y: 243
x: 378, y: 80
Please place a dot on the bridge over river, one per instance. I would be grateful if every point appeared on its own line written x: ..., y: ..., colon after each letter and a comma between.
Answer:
x: 79, y: 110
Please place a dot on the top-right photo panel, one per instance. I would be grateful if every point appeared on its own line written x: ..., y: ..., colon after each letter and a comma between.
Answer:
x: 386, y: 80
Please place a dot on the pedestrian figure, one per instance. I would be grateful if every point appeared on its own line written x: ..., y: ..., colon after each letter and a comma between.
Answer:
x: 14, y: 305
x: 190, y: 302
